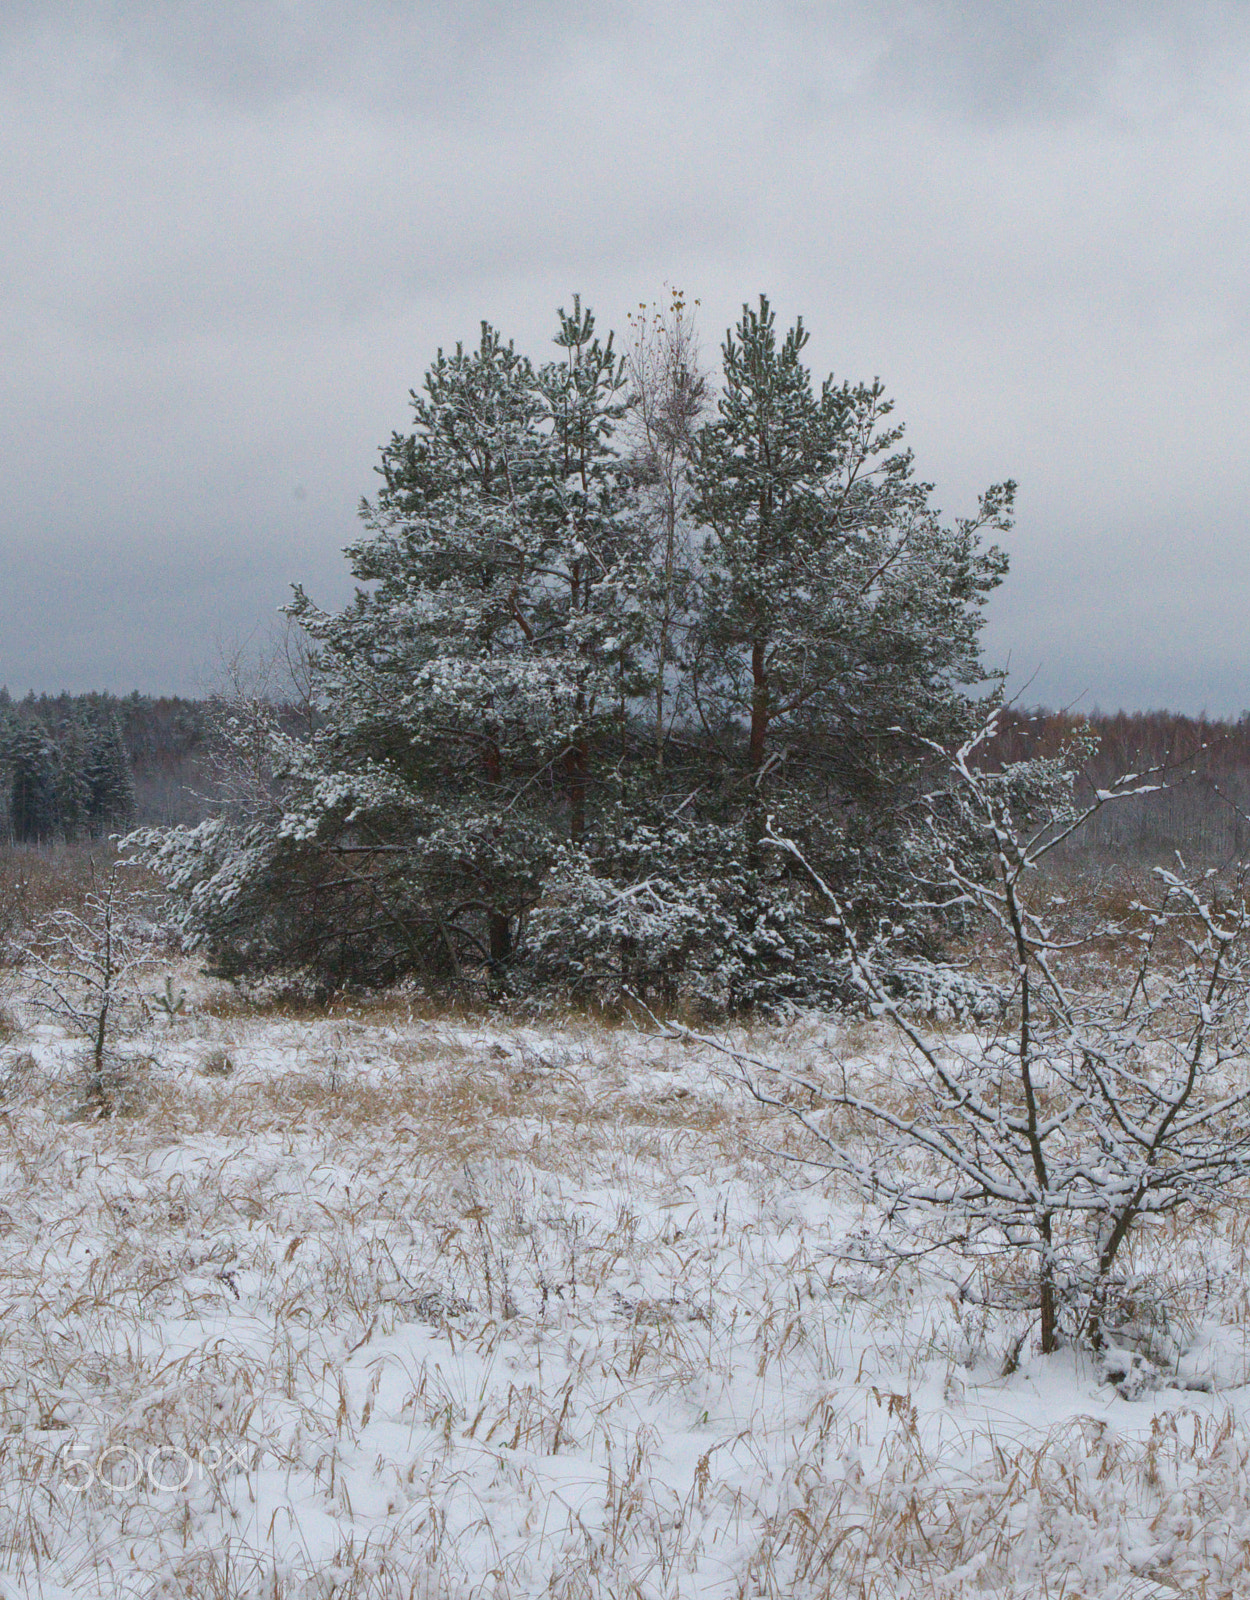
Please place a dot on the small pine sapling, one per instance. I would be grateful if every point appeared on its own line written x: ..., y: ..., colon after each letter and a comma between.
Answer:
x: 169, y: 1004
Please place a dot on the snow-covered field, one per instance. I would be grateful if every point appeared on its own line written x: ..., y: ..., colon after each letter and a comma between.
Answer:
x: 388, y: 1305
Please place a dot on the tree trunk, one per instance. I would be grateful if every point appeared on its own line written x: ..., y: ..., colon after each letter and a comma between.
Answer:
x: 575, y: 762
x: 759, y: 706
x: 500, y: 923
x: 500, y: 937
x: 577, y: 756
x: 1050, y: 1313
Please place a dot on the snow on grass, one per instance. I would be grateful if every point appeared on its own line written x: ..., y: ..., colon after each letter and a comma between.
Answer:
x: 386, y: 1306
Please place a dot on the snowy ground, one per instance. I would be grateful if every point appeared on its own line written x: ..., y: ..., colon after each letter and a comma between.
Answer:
x: 388, y: 1306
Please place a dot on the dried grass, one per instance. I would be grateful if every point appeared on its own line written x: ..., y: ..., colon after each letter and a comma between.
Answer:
x: 444, y: 1308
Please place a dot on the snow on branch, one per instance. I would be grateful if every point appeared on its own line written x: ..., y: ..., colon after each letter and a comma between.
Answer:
x: 1090, y: 1104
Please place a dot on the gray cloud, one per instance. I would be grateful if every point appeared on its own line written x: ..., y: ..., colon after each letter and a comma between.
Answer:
x: 240, y: 230
x: 1021, y: 61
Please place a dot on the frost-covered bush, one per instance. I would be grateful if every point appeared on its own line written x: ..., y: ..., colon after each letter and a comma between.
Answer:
x: 1083, y: 1112
x: 679, y: 915
x: 83, y: 966
x: 940, y: 990
x: 361, y: 885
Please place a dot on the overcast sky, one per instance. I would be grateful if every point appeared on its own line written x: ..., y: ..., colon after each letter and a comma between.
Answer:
x: 236, y: 231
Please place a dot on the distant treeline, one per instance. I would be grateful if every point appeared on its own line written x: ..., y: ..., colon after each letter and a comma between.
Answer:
x: 83, y: 766
x: 1203, y: 808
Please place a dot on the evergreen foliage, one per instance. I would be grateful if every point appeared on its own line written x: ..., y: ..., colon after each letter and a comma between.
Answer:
x: 835, y: 604
x: 66, y: 770
x: 107, y: 777
x: 597, y: 641
x: 36, y: 786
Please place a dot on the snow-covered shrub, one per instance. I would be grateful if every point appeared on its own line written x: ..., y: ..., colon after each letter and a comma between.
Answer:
x: 84, y: 965
x: 942, y: 991
x: 678, y: 915
x: 352, y: 881
x: 1084, y: 1111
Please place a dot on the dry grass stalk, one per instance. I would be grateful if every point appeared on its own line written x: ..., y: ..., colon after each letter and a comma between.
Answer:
x: 448, y: 1309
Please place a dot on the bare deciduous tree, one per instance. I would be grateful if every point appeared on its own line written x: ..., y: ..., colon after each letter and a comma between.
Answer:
x: 1088, y: 1106
x: 669, y: 395
x: 255, y: 687
x: 84, y: 966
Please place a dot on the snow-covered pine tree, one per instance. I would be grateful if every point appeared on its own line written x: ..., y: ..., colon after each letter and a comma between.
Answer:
x: 840, y: 617
x: 439, y: 700
x: 466, y: 693
x: 108, y: 780
x: 833, y: 620
x: 836, y: 606
x: 71, y: 735
x: 516, y: 764
x: 592, y: 616
x: 34, y: 771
